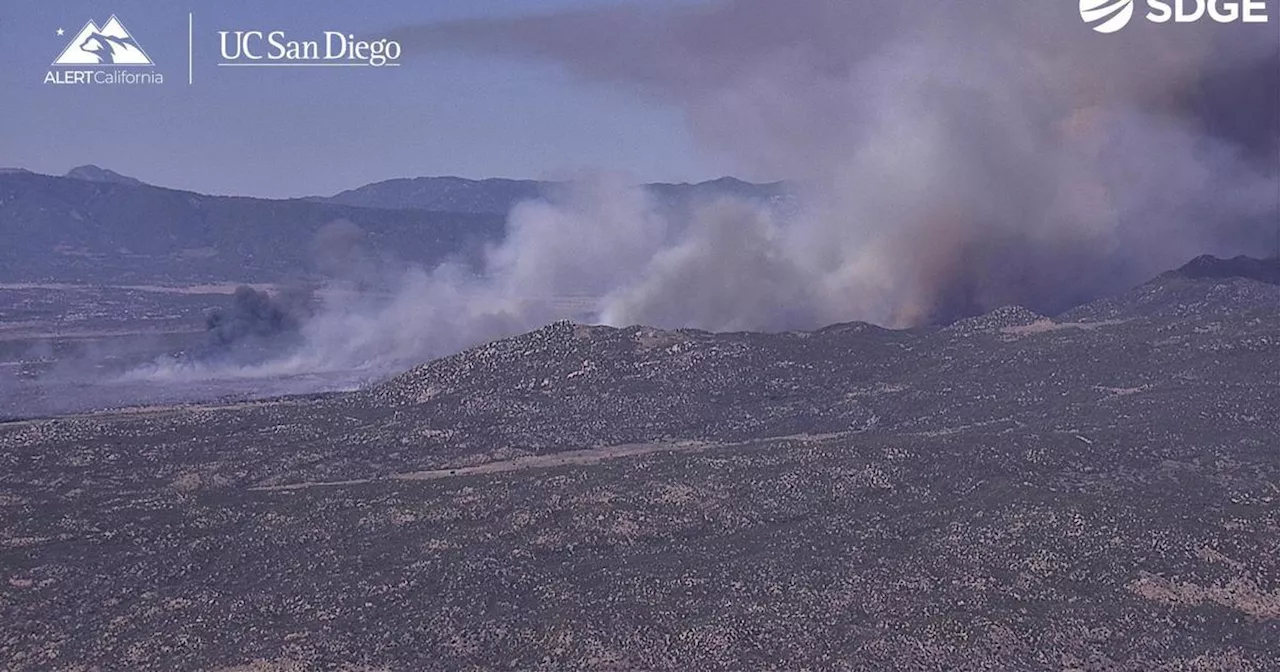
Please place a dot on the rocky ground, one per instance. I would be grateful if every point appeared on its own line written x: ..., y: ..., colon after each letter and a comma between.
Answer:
x: 1099, y: 490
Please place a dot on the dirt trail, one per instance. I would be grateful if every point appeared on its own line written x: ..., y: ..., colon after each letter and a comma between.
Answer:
x: 571, y: 457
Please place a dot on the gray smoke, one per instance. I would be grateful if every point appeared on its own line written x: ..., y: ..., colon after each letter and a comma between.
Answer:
x: 256, y: 315
x: 339, y: 252
x: 952, y: 157
x: 948, y: 158
x: 559, y: 256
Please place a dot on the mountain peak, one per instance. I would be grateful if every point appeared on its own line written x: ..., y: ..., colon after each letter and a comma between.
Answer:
x: 92, y: 173
x: 1208, y: 266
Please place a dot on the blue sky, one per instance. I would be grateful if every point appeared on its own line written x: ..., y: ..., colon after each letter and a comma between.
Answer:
x: 296, y: 132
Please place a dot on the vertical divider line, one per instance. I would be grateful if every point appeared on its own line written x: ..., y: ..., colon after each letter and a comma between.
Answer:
x: 190, y: 66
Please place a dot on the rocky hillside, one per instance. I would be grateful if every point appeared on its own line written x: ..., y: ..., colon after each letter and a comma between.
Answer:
x: 579, y: 385
x: 1097, y: 490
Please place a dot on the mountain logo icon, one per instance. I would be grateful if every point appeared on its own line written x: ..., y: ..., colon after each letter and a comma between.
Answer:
x: 112, y: 44
x: 1106, y: 16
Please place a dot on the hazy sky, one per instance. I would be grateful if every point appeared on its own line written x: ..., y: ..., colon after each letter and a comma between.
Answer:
x: 295, y: 132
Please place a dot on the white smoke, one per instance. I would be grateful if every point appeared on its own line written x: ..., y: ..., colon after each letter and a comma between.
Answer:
x: 950, y: 158
x: 558, y: 259
x: 953, y: 157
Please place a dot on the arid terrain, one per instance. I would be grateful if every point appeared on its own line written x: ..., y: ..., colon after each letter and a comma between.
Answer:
x: 696, y: 335
x: 1098, y: 490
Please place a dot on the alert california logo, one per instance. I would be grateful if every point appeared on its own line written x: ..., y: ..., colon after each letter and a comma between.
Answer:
x: 106, y: 54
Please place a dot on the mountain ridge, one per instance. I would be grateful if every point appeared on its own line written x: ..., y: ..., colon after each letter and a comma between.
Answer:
x: 581, y: 360
x: 108, y: 231
x: 92, y: 173
x: 96, y: 225
x: 498, y: 195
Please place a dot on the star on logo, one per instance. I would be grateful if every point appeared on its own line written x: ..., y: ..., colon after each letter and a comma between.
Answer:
x: 60, y: 32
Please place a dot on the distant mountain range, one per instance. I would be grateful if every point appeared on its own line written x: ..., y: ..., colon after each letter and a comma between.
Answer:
x: 96, y: 225
x: 450, y: 194
x: 88, y: 173
x: 497, y: 195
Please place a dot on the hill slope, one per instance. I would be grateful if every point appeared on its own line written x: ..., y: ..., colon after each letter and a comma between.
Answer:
x: 1095, y: 491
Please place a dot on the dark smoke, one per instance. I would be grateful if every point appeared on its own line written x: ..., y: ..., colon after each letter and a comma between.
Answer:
x: 1240, y: 104
x: 954, y: 156
x: 255, y: 315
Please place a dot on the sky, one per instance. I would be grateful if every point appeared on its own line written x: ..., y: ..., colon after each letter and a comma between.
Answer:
x: 290, y: 132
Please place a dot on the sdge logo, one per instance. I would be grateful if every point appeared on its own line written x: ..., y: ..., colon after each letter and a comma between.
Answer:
x: 1109, y: 16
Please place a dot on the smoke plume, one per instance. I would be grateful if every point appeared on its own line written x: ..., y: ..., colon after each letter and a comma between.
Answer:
x: 951, y: 157
x: 946, y: 158
x: 255, y: 315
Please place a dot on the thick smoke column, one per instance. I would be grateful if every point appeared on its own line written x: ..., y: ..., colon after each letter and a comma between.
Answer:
x: 948, y: 158
x: 953, y: 157
x: 581, y: 243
